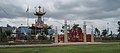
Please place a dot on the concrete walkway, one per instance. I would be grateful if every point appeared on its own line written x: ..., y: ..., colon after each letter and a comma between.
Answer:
x: 56, y: 44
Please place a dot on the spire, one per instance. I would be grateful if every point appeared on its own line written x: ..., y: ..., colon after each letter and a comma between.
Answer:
x: 39, y: 8
x: 39, y: 14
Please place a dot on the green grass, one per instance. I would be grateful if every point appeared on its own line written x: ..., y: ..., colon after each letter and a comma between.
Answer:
x: 107, y: 40
x: 23, y: 43
x: 110, y: 48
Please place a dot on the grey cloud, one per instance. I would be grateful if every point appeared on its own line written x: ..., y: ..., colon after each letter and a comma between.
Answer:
x: 107, y: 5
x: 61, y: 6
x: 102, y: 9
x: 8, y: 10
x: 99, y: 6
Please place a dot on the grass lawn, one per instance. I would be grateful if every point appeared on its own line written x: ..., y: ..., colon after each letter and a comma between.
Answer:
x: 110, y: 48
x: 107, y: 40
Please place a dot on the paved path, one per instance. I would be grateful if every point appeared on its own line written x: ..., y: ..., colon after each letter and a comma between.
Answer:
x: 55, y: 44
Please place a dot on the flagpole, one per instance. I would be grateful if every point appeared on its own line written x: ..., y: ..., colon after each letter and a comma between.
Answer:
x: 28, y: 19
x: 27, y: 11
x: 27, y: 16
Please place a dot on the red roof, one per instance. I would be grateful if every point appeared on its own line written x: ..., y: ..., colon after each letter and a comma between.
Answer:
x: 39, y: 13
x: 40, y: 25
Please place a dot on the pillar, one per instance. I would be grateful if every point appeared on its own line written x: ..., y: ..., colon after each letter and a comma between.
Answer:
x: 92, y: 38
x: 92, y: 35
x: 65, y: 32
x: 84, y: 29
x: 85, y: 37
x: 56, y: 35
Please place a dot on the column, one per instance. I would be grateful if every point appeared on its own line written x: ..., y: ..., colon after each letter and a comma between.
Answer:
x: 56, y: 35
x: 92, y: 35
x: 65, y: 32
x: 84, y: 31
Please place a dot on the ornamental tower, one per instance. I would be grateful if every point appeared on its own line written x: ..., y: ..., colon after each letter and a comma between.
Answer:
x: 39, y: 14
x: 39, y: 26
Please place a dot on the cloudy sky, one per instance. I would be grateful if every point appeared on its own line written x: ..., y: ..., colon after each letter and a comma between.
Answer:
x: 95, y: 12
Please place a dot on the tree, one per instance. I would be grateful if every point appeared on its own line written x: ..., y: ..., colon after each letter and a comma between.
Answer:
x: 8, y: 25
x: 97, y: 31
x: 8, y: 32
x: 111, y: 34
x: 104, y: 32
x: 45, y: 31
x: 3, y: 37
x: 50, y: 32
x: 76, y: 26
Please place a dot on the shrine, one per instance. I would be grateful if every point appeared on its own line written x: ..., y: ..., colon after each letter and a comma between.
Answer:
x: 39, y: 26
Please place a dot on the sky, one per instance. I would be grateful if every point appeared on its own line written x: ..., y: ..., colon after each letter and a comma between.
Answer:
x: 95, y: 12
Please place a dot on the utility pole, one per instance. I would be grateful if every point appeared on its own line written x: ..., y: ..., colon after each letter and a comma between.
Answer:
x: 118, y: 29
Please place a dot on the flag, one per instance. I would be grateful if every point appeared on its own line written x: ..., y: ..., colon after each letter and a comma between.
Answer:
x: 27, y: 10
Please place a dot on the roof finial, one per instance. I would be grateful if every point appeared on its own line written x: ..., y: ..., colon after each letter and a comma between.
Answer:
x: 39, y: 8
